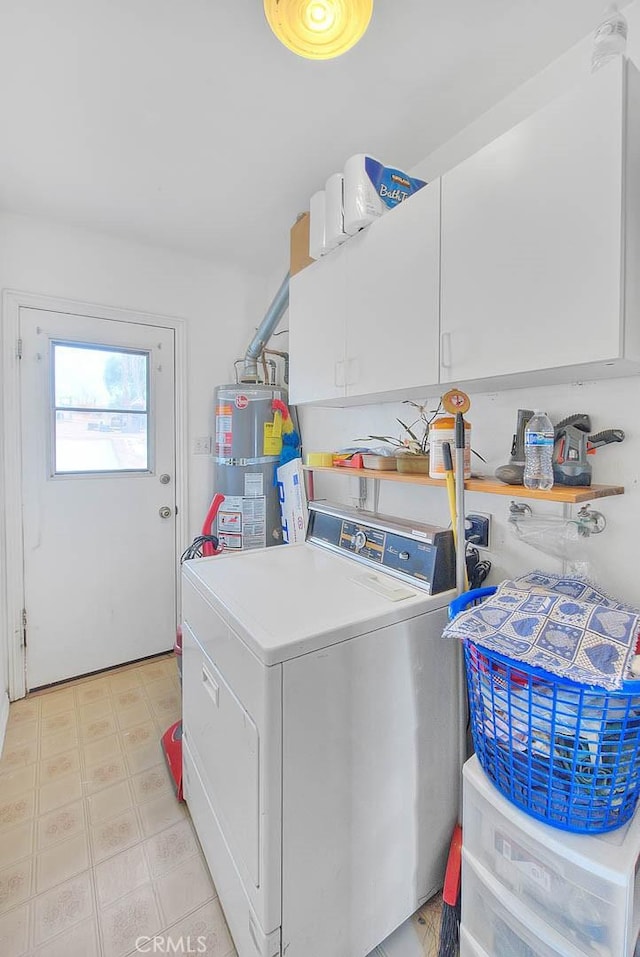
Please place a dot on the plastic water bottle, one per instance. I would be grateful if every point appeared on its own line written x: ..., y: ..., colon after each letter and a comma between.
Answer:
x: 538, y: 452
x: 610, y: 38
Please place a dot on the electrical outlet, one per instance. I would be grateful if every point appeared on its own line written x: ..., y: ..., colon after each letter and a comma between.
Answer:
x: 202, y: 445
x: 476, y: 529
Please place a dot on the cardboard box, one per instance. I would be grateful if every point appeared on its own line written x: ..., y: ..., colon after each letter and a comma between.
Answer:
x: 293, y: 501
x: 300, y: 244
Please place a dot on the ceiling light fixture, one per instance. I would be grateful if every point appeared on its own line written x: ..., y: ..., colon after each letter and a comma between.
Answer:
x: 318, y: 29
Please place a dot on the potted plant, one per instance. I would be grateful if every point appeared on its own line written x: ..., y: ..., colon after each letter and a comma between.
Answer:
x: 413, y: 444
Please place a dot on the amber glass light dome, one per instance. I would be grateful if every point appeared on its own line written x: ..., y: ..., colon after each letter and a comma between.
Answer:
x: 318, y: 29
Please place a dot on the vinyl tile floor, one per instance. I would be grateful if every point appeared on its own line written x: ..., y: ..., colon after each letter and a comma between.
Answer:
x: 96, y: 854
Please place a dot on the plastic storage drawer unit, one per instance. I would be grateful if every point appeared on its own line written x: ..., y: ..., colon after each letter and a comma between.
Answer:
x: 584, y: 887
x: 500, y: 925
x: 469, y: 947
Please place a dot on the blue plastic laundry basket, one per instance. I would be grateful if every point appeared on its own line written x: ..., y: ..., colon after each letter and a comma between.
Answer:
x: 565, y: 753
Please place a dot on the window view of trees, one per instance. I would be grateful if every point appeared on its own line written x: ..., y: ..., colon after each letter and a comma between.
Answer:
x: 100, y: 391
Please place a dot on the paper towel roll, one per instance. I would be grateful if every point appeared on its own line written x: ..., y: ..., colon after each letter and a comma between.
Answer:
x: 334, y: 233
x: 361, y: 203
x: 370, y: 189
x: 317, y: 247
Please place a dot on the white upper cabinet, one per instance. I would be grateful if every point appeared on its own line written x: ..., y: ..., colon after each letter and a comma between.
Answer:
x: 537, y: 228
x: 393, y: 280
x: 317, y: 314
x: 364, y: 320
x: 520, y: 267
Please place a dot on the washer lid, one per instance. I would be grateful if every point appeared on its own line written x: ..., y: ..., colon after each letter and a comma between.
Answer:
x: 289, y: 600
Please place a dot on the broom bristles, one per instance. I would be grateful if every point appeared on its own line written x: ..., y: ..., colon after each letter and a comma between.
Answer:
x: 449, y: 943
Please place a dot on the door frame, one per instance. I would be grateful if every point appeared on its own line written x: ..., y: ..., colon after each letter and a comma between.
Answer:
x: 11, y: 536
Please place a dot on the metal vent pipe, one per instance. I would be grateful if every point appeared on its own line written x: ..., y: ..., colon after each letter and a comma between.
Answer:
x: 265, y: 331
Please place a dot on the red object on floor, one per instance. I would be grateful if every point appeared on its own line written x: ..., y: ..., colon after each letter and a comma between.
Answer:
x: 172, y: 749
x: 451, y: 889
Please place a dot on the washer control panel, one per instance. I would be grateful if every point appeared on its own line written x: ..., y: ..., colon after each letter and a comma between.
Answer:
x: 365, y: 541
x: 421, y: 554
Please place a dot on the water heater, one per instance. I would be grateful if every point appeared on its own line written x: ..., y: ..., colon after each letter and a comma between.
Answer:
x: 247, y: 451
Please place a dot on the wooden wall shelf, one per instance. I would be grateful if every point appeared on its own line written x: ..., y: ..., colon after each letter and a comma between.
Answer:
x: 559, y: 493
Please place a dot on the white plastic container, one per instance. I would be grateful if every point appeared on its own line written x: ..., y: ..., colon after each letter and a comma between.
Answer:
x: 500, y: 925
x: 441, y: 430
x: 469, y: 946
x: 583, y: 887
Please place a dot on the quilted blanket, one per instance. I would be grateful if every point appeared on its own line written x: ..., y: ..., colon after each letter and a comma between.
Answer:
x: 564, y: 625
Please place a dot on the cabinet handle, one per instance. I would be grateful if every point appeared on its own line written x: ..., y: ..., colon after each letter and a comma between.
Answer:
x: 339, y: 374
x: 445, y: 350
x: 353, y: 372
x: 210, y: 685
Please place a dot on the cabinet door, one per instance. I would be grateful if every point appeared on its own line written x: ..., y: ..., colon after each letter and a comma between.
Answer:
x: 393, y: 298
x: 317, y: 307
x: 223, y: 735
x: 531, y: 241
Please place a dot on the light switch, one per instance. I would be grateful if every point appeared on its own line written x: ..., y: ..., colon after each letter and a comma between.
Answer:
x: 202, y: 445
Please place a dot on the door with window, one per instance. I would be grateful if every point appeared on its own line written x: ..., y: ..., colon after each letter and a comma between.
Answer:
x: 98, y: 492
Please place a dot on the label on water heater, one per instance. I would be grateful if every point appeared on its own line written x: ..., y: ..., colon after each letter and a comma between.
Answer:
x: 254, y: 522
x: 229, y: 521
x: 242, y: 523
x: 272, y: 444
x: 224, y: 429
x: 253, y: 484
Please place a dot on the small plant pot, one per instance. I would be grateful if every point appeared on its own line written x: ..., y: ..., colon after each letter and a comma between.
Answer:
x: 413, y: 463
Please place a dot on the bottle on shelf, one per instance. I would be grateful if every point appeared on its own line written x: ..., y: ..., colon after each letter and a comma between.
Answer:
x: 610, y: 38
x: 538, y: 452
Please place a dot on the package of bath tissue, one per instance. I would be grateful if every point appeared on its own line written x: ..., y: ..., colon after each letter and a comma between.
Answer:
x: 317, y: 246
x: 334, y: 233
x: 370, y: 189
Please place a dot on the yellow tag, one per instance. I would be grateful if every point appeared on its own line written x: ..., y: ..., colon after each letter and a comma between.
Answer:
x: 272, y: 442
x: 277, y: 424
x: 455, y: 400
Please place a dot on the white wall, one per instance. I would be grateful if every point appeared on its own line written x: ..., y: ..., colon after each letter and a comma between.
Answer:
x: 493, y: 418
x: 614, y: 403
x: 222, y: 305
x: 556, y: 79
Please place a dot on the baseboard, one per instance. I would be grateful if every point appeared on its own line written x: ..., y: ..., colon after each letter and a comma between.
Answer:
x: 4, y: 717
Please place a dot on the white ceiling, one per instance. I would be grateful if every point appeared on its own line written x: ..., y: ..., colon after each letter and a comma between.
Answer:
x: 185, y: 123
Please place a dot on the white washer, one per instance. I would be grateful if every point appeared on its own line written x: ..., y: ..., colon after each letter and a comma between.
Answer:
x: 320, y: 715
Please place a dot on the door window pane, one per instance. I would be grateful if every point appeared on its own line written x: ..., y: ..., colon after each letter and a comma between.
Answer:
x: 100, y: 409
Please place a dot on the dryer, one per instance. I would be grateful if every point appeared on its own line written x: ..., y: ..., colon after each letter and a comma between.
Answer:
x: 320, y: 716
